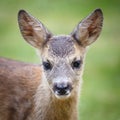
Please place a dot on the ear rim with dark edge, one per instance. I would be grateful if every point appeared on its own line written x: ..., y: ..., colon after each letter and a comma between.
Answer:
x: 97, y: 12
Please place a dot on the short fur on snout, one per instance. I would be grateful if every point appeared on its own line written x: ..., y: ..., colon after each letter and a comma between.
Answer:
x: 61, y: 52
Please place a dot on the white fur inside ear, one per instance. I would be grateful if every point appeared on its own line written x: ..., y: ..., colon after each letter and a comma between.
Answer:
x: 32, y: 43
x: 31, y: 23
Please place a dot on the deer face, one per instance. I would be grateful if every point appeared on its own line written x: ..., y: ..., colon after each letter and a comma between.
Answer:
x: 62, y: 59
x: 62, y: 56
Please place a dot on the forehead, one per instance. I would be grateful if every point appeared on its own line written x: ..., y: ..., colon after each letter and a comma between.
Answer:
x: 61, y: 46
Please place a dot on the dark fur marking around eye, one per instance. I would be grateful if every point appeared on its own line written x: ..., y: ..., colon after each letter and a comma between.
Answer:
x: 76, y: 64
x: 47, y: 65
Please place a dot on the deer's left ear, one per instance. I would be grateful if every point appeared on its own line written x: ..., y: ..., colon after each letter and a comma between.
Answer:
x: 88, y: 30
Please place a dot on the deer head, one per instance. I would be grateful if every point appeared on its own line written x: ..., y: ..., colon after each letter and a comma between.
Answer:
x: 62, y: 56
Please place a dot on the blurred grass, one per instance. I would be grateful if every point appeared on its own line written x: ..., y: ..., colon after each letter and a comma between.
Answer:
x: 100, y: 96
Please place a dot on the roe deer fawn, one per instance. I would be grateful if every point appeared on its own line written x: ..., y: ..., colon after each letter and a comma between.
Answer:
x: 49, y: 91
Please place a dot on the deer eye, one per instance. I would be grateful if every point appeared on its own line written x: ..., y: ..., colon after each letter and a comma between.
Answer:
x: 76, y: 64
x: 47, y: 65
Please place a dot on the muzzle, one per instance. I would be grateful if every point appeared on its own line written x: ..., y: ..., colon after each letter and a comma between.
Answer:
x: 62, y: 89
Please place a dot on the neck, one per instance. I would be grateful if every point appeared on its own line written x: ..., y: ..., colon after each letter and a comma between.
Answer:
x: 48, y: 107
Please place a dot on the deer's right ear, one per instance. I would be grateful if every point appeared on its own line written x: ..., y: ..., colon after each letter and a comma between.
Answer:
x: 33, y: 31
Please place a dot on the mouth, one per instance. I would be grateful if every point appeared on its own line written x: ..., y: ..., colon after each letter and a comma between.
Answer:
x: 62, y: 96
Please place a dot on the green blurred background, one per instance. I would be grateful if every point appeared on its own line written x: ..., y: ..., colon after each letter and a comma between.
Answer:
x: 100, y: 95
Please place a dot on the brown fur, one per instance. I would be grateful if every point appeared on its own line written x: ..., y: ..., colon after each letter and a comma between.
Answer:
x: 18, y: 82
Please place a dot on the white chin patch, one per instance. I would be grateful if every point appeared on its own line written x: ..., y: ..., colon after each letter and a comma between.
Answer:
x: 62, y: 96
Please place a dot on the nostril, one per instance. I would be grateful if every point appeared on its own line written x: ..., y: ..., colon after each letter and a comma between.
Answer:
x: 62, y: 88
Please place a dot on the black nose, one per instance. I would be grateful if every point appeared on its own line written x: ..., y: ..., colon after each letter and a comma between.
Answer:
x: 62, y: 88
